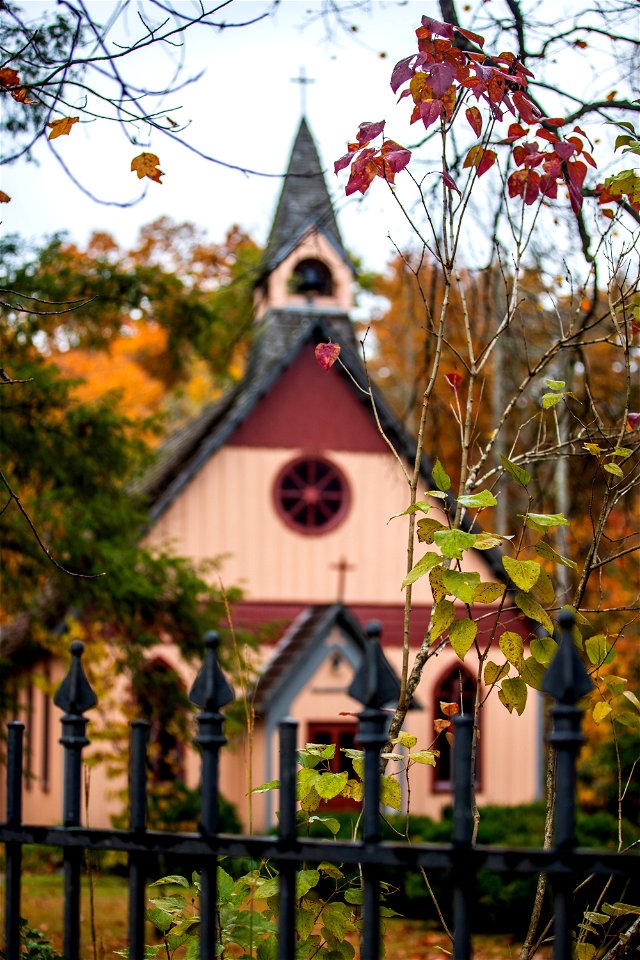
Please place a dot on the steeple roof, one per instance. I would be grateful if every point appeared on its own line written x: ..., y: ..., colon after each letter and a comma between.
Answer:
x: 304, y: 203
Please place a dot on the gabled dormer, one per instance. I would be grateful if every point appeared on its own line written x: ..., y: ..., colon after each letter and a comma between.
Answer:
x: 305, y: 264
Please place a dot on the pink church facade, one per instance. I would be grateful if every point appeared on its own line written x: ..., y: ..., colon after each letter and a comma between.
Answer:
x: 289, y: 484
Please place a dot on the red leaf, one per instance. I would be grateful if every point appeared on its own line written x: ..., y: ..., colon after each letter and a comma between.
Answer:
x: 564, y: 149
x: 532, y: 187
x: 438, y: 27
x: 430, y: 111
x: 395, y: 157
x: 362, y: 172
x: 633, y: 420
x: 516, y: 182
x: 342, y: 162
x: 475, y: 120
x: 450, y: 182
x: 454, y: 380
x: 441, y: 76
x: 474, y: 37
x: 527, y: 110
x: 516, y: 131
x: 547, y: 135
x: 369, y: 131
x: 556, y: 122
x: 404, y: 70
x: 327, y: 354
x: 488, y: 160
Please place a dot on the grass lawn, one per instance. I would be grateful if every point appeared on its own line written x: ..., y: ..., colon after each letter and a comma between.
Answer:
x: 42, y: 906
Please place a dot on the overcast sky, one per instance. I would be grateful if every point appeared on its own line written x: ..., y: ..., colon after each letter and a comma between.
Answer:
x: 244, y: 110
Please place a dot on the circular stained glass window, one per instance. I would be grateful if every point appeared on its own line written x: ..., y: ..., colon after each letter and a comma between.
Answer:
x: 311, y: 495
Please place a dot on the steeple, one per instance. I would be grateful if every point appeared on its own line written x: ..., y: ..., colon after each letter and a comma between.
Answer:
x: 305, y: 264
x: 304, y: 203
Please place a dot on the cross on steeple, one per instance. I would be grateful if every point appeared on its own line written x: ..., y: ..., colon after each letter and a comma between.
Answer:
x: 342, y: 566
x: 303, y: 80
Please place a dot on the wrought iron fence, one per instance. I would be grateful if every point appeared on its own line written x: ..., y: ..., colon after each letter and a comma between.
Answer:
x: 566, y: 682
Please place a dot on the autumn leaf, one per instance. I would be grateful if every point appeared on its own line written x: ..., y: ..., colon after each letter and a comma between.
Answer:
x: 4, y: 197
x: 61, y: 127
x: 9, y: 78
x: 327, y: 354
x: 475, y: 120
x: 633, y: 420
x: 146, y: 165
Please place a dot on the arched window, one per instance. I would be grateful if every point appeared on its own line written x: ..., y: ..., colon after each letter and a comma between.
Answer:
x: 455, y: 686
x: 312, y: 278
x: 162, y: 701
x: 311, y: 495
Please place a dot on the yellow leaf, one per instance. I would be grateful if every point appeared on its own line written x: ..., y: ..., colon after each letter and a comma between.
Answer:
x: 61, y: 127
x: 146, y: 165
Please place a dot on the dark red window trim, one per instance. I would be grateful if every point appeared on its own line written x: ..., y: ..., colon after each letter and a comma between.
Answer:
x: 311, y: 495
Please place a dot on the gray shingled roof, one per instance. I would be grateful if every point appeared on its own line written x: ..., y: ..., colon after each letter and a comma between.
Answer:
x: 304, y: 204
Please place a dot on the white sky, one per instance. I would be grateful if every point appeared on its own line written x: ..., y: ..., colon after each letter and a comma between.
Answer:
x: 245, y: 110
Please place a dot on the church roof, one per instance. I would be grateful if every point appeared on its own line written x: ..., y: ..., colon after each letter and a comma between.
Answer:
x: 186, y: 452
x: 304, y: 204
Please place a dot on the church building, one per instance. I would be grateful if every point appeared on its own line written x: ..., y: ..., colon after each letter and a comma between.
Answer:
x: 290, y: 482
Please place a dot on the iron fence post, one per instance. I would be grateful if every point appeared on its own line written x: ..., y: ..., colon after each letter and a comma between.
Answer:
x: 137, y: 823
x: 75, y: 696
x: 462, y: 834
x: 374, y: 685
x: 210, y: 691
x: 15, y: 739
x: 287, y: 832
x: 566, y: 681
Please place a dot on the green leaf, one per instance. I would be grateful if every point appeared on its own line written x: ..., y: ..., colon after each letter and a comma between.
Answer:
x: 225, y: 884
x: 173, y: 879
x: 265, y: 787
x: 307, y: 779
x: 444, y: 614
x: 354, y: 895
x: 550, y: 399
x: 621, y: 909
x: 532, y: 609
x: 622, y: 452
x: 425, y: 756
x: 601, y: 710
x: 513, y: 694
x: 436, y: 581
x: 453, y: 543
x: 174, y: 904
x: 524, y: 573
x: 461, y: 583
x: 462, y: 633
x: 486, y: 540
x: 543, y: 589
x: 599, y: 650
x: 519, y: 474
x: 390, y: 792
x: 614, y: 469
x: 512, y: 645
x: 532, y: 673
x: 493, y: 672
x: 266, y: 887
x: 336, y: 917
x: 556, y: 384
x: 160, y: 918
x: 593, y: 448
x: 313, y: 753
x: 420, y: 505
x: 544, y: 649
x: 305, y: 880
x: 427, y: 527
x: 331, y: 870
x: 329, y: 785
x: 440, y: 476
x: 329, y: 822
x: 615, y: 684
x: 631, y: 697
x: 488, y: 592
x: 546, y: 551
x: 540, y: 521
x: 406, y: 739
x: 423, y: 566
x: 585, y: 951
x: 484, y: 498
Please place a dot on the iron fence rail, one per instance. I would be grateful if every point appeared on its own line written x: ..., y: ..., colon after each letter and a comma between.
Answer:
x: 566, y: 681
